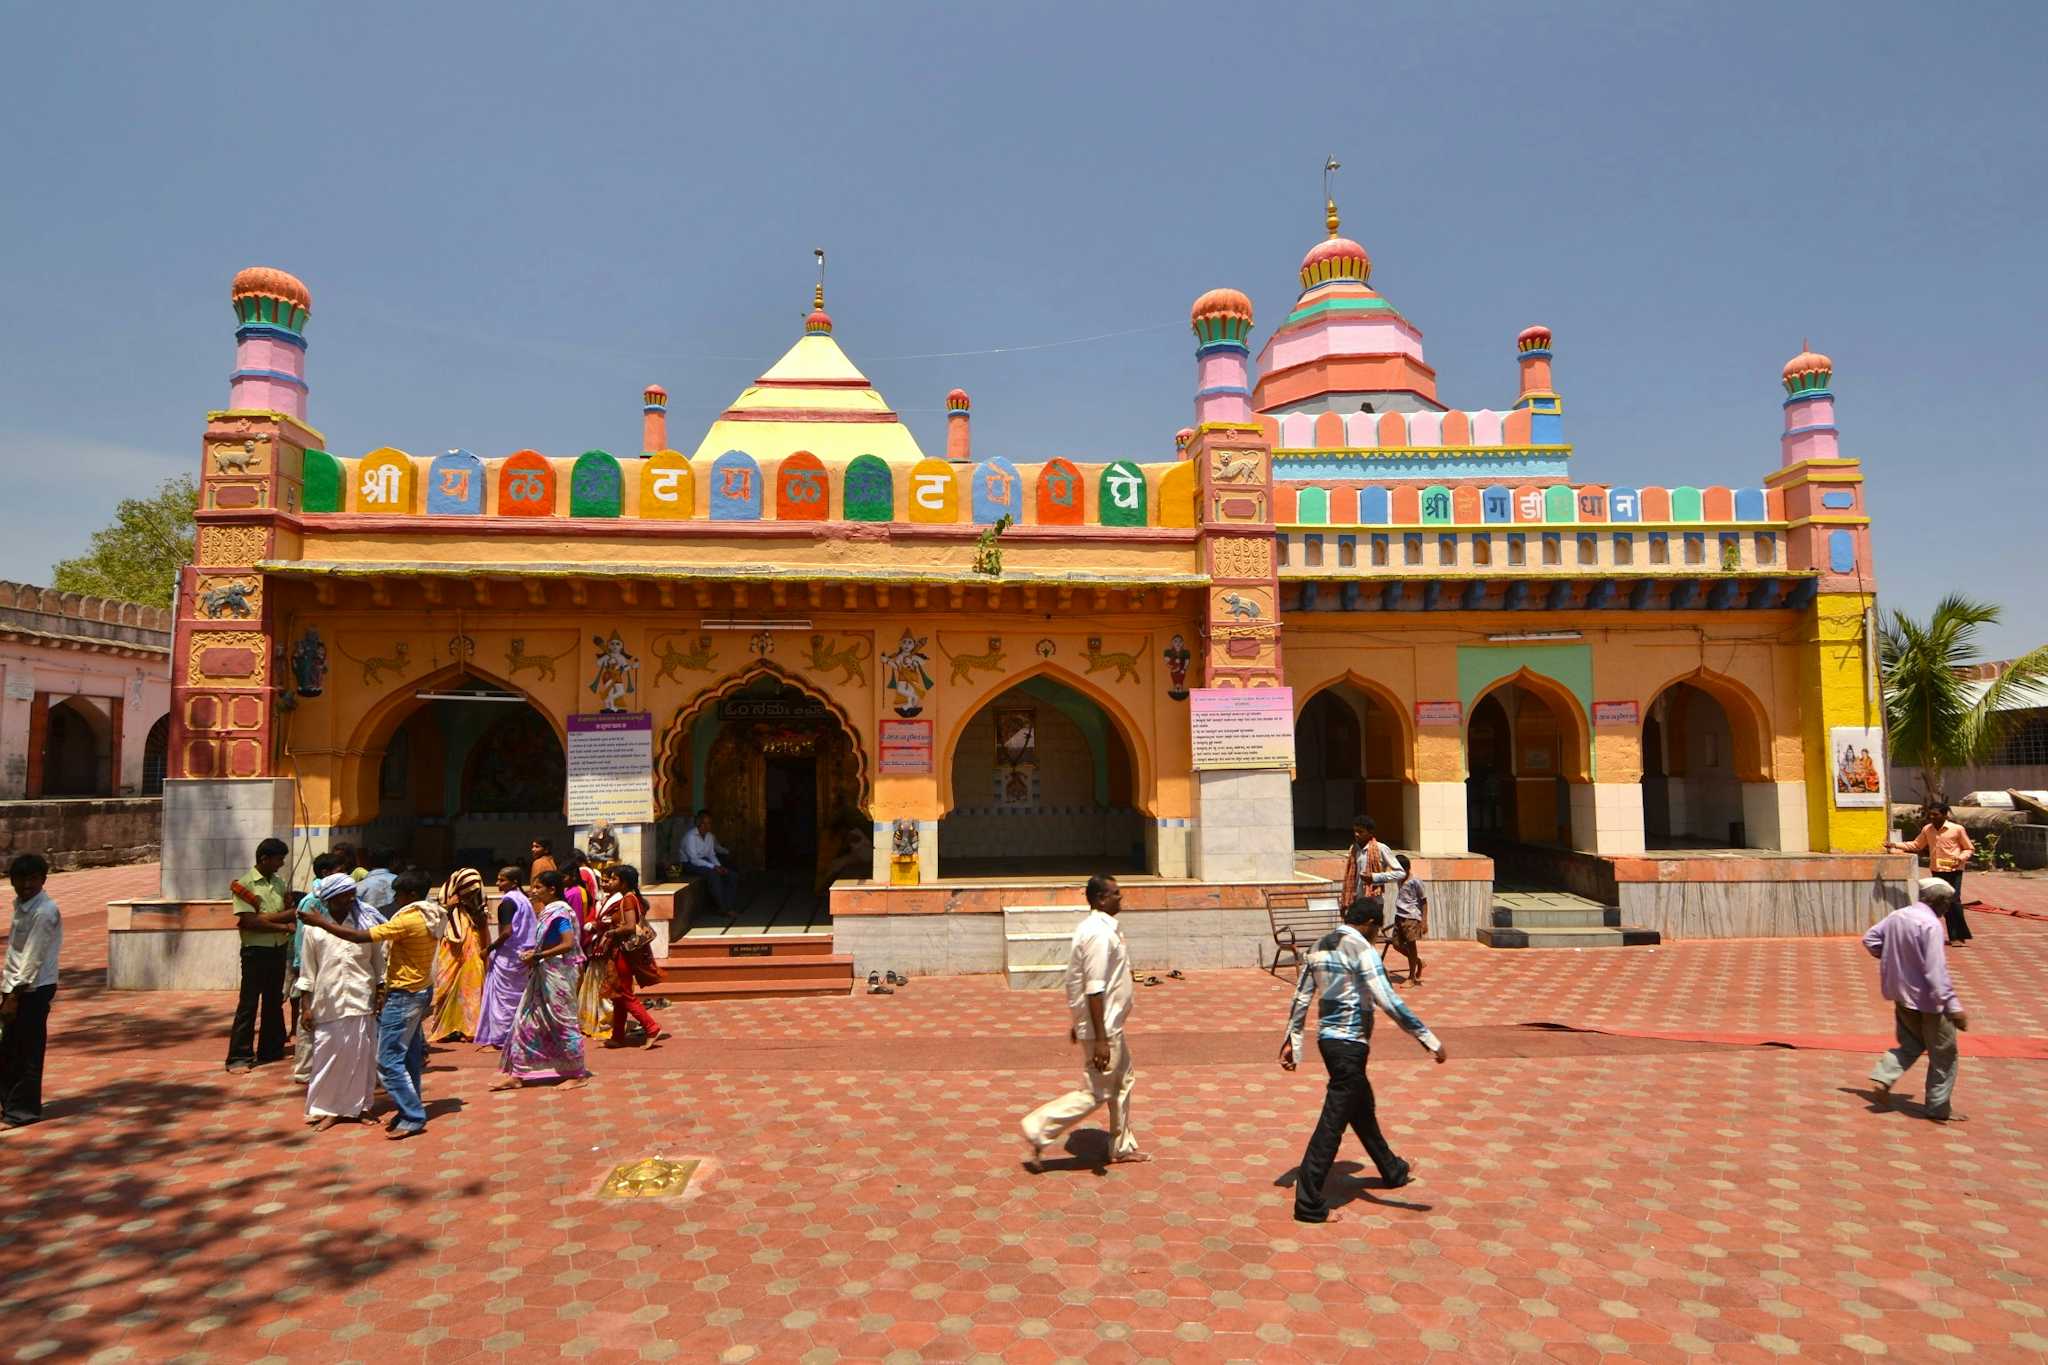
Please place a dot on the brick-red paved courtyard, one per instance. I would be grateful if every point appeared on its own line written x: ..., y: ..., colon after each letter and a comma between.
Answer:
x: 1660, y: 1178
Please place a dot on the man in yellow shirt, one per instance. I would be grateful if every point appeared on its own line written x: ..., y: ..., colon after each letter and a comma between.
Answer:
x: 408, y: 937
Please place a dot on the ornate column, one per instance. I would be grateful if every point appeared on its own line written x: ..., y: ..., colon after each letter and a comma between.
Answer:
x: 228, y: 668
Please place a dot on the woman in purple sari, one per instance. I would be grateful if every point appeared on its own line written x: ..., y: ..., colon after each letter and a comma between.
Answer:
x: 518, y: 930
x: 545, y: 1043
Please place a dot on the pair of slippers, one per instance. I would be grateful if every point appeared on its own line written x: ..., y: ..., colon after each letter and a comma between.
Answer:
x: 877, y: 986
x: 1172, y: 974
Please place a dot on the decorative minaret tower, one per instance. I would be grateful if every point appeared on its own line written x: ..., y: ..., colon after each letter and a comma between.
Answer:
x: 653, y: 420
x: 1243, y: 817
x: 270, y: 345
x: 1546, y: 409
x: 959, y: 443
x: 1222, y: 319
x: 1827, y: 536
x: 231, y: 667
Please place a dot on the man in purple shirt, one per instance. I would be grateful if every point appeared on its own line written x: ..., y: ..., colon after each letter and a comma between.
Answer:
x: 1913, y: 967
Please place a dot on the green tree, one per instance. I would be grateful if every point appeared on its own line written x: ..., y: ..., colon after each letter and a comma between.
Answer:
x: 1929, y: 716
x: 137, y: 558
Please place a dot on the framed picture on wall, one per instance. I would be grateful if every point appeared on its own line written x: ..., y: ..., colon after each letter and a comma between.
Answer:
x: 1856, y: 765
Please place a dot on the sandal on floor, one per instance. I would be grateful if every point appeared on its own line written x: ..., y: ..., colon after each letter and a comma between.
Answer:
x: 875, y: 986
x: 895, y: 979
x: 1176, y: 974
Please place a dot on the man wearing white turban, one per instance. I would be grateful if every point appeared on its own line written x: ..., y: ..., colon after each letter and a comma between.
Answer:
x: 339, y: 981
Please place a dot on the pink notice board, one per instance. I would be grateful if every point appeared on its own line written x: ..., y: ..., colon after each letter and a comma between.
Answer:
x: 1617, y: 713
x: 906, y: 746
x: 611, y: 768
x: 1242, y: 727
x: 1439, y: 713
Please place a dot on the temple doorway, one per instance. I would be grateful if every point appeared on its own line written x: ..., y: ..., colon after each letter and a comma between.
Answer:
x: 1349, y: 762
x: 781, y: 777
x: 1522, y: 758
x: 1043, y: 785
x: 1692, y: 792
x: 77, y: 757
x: 470, y: 783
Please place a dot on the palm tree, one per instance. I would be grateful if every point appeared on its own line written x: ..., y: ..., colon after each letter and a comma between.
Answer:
x: 1929, y: 714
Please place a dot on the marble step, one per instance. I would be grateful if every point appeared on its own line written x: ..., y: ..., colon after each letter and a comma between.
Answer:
x: 1587, y: 916
x: 1042, y: 919
x: 1037, y: 978
x: 1581, y: 936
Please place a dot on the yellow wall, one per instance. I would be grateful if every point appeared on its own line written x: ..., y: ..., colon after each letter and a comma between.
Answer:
x: 1835, y: 675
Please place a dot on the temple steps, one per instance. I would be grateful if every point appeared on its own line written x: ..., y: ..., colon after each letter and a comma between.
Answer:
x: 1569, y: 922
x: 752, y: 967
x: 1037, y: 941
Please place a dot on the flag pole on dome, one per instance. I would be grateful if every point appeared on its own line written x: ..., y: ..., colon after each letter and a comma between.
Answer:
x: 1331, y: 165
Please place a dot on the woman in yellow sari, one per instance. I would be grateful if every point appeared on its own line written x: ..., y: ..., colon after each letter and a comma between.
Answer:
x: 459, y: 962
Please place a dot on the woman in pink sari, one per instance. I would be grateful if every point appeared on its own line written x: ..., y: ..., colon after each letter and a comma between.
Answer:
x: 545, y: 1042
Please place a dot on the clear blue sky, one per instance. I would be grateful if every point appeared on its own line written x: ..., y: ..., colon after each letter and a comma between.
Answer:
x: 512, y: 217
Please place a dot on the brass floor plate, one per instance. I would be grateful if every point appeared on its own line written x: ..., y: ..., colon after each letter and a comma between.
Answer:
x: 651, y: 1177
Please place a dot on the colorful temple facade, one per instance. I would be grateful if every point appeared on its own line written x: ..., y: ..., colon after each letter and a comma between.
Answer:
x: 990, y: 659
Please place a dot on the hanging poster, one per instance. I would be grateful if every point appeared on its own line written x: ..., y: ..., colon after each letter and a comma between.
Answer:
x: 1617, y: 713
x: 611, y: 768
x: 1439, y: 713
x: 1856, y: 762
x: 1016, y: 760
x: 1242, y: 727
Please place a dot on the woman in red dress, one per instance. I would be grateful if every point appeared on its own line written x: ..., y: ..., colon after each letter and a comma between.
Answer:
x: 625, y: 917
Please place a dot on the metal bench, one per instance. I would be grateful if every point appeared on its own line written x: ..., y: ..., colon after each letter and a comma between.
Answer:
x: 1299, y: 916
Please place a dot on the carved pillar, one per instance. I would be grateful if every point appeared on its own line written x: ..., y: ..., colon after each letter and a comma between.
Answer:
x: 1242, y: 628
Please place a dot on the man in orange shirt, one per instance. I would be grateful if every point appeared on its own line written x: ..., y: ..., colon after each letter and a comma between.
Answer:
x: 1948, y: 849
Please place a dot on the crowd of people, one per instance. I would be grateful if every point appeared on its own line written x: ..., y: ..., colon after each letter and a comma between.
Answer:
x: 377, y: 962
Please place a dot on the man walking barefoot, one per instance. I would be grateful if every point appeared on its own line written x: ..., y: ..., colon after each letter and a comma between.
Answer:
x: 1344, y: 974
x: 28, y: 983
x: 1913, y: 967
x: 1099, y: 998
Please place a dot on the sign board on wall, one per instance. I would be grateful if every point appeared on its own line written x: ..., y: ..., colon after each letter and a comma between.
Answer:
x: 1856, y: 763
x: 1242, y: 727
x: 1617, y: 713
x: 611, y: 768
x: 1439, y: 713
x: 906, y: 746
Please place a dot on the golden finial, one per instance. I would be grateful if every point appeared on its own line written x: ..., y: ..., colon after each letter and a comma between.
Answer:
x: 818, y: 295
x: 1330, y: 166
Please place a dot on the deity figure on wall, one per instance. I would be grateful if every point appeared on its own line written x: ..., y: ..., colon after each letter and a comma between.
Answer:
x: 908, y: 677
x: 617, y: 672
x: 309, y: 663
x: 1177, y: 659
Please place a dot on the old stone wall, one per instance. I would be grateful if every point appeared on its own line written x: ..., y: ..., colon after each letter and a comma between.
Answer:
x: 96, y: 832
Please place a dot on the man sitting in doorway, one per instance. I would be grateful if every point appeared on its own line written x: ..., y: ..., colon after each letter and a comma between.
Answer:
x: 702, y: 854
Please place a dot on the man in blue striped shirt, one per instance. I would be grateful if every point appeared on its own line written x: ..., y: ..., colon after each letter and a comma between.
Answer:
x: 1344, y: 974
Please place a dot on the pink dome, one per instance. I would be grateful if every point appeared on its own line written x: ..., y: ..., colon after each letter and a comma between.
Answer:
x: 1535, y: 338
x: 1807, y: 362
x: 957, y: 401
x: 1221, y: 303
x: 262, y: 281
x: 1335, y: 258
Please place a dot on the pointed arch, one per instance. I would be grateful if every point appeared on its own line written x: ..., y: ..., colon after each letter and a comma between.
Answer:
x: 1404, y: 719
x: 1748, y: 721
x: 963, y: 711
x: 1574, y: 766
x: 363, y: 755
x: 675, y: 738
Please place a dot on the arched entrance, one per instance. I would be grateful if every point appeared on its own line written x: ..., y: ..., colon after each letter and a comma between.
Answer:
x: 1523, y: 752
x: 1350, y: 760
x: 156, y: 747
x: 1044, y: 783
x: 1692, y: 786
x: 470, y: 782
x: 782, y: 775
x: 77, y: 750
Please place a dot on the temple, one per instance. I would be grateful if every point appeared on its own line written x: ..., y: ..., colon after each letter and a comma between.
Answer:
x: 1005, y: 672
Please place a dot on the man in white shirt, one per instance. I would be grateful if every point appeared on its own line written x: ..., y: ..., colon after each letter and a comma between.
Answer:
x: 709, y: 859
x: 28, y: 983
x: 1099, y: 998
x: 339, y: 980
